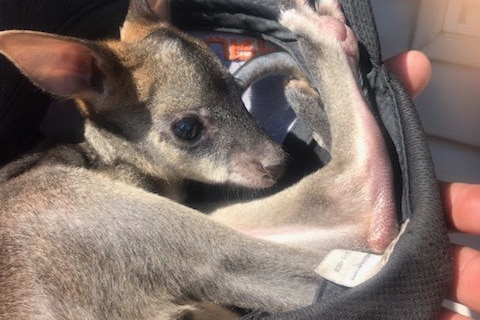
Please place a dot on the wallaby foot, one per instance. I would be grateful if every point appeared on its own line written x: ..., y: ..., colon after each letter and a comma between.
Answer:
x: 349, y: 203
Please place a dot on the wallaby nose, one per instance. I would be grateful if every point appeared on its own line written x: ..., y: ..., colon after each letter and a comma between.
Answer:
x: 255, y: 170
x: 275, y: 172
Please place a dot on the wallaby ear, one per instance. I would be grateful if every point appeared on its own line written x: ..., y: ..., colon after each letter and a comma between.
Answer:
x: 63, y: 66
x: 160, y: 8
x: 142, y: 16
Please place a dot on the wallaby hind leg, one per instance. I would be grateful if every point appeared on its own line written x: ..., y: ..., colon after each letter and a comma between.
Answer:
x: 349, y: 202
x: 98, y: 249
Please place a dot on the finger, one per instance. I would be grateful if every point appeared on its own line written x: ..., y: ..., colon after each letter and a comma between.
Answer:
x: 413, y: 68
x: 450, y: 315
x: 465, y: 287
x: 461, y: 203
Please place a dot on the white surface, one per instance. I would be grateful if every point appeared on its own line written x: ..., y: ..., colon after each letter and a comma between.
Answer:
x: 450, y: 105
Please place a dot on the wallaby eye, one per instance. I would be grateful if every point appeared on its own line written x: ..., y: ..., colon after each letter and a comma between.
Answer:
x: 188, y: 128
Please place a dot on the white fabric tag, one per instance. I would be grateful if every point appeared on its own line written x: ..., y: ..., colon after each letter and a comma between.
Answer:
x: 351, y: 268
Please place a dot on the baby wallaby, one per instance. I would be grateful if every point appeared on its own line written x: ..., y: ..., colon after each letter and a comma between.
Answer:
x: 83, y: 236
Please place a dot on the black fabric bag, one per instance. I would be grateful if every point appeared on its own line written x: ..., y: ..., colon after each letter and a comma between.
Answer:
x: 413, y: 283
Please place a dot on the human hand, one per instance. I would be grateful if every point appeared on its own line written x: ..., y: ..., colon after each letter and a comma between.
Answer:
x: 461, y: 202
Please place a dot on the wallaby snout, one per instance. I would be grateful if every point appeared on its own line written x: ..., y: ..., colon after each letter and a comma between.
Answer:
x: 259, y: 169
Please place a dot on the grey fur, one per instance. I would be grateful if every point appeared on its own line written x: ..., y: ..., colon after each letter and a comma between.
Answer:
x: 83, y: 236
